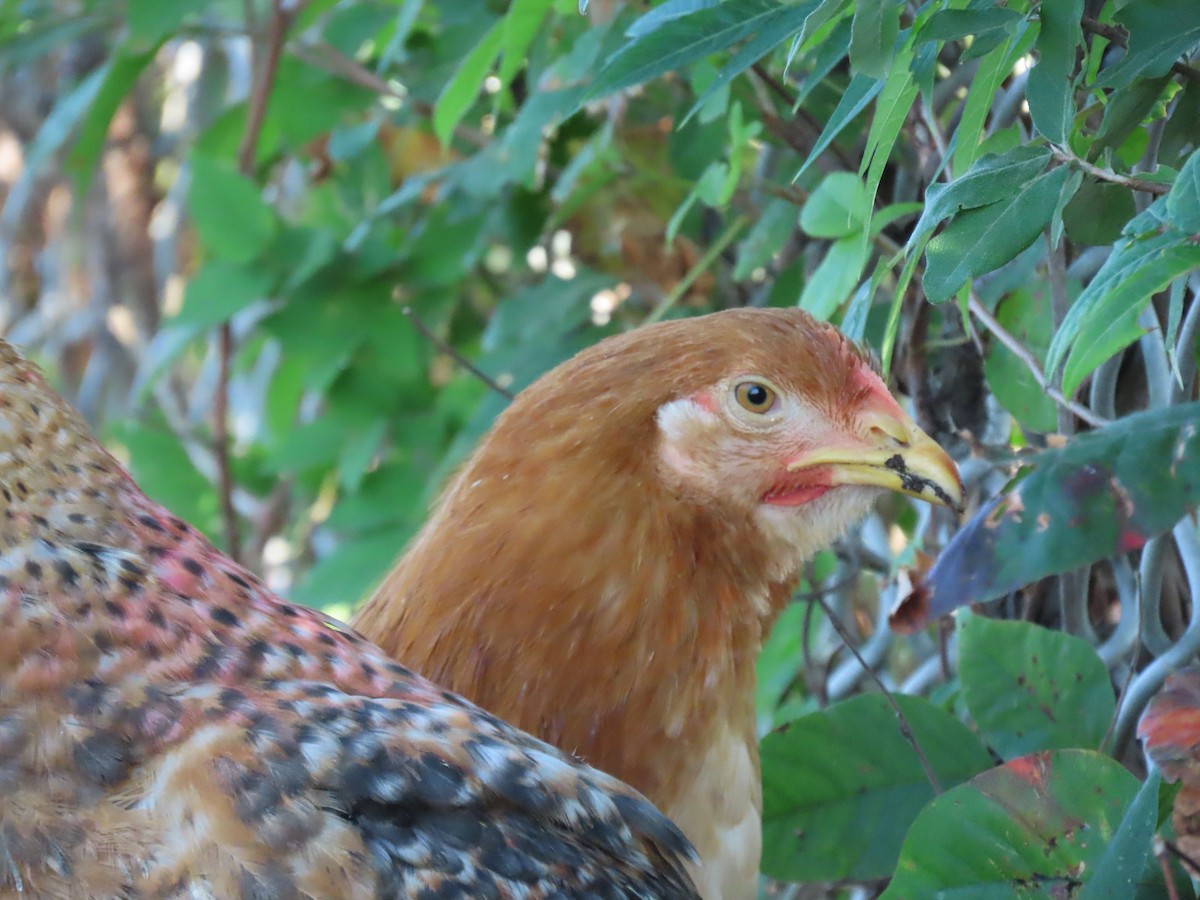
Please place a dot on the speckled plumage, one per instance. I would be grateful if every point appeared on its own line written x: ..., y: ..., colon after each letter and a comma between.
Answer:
x: 170, y: 728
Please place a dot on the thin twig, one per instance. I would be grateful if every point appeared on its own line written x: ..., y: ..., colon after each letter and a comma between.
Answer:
x: 1164, y: 861
x: 233, y: 542
x: 260, y: 91
x: 330, y: 59
x: 984, y: 315
x: 1185, y: 858
x: 1118, y: 36
x: 450, y: 351
x: 905, y: 727
x: 1060, y: 302
x: 1134, y: 184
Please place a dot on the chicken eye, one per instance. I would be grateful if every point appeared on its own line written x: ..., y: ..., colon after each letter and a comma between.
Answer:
x: 754, y: 396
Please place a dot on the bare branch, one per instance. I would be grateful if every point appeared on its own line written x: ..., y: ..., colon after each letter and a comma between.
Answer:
x: 1134, y: 184
x: 984, y: 315
x: 905, y: 727
x: 282, y: 14
x: 453, y: 353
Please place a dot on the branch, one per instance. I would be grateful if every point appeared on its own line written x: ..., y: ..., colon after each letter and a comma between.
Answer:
x: 330, y: 59
x: 282, y: 14
x: 453, y: 353
x: 1022, y: 353
x: 1119, y: 37
x: 905, y: 727
x: 1134, y: 184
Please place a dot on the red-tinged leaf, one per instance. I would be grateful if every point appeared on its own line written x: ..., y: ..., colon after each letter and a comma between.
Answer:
x: 1106, y: 492
x: 1036, y: 827
x: 1170, y: 727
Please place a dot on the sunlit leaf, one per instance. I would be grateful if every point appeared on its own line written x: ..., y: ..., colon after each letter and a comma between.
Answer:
x: 832, y: 282
x: 1026, y: 314
x: 991, y: 178
x: 837, y: 208
x: 985, y: 238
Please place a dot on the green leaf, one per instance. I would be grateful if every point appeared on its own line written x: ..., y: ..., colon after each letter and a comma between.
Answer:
x: 1126, y: 112
x: 343, y: 577
x: 521, y: 24
x: 991, y: 178
x: 228, y: 211
x: 683, y: 40
x: 983, y: 239
x: 220, y: 289
x: 1025, y: 314
x: 666, y: 12
x: 1160, y: 32
x: 840, y: 787
x: 837, y: 208
x: 1129, y: 857
x: 152, y: 21
x: 774, y: 226
x: 1029, y: 688
x: 1051, y: 87
x: 1035, y: 827
x: 1098, y: 213
x: 1104, y: 317
x: 994, y: 67
x: 891, y: 112
x: 771, y: 34
x: 953, y: 24
x: 460, y: 91
x: 1183, y: 203
x: 835, y: 278
x: 778, y: 662
x: 1111, y: 323
x: 1106, y: 492
x: 119, y: 77
x: 873, y: 36
x: 858, y: 94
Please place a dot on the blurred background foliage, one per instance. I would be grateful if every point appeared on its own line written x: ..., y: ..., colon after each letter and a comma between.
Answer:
x: 260, y: 244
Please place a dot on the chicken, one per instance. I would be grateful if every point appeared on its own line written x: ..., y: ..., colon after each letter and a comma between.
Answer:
x: 603, y: 569
x: 170, y: 728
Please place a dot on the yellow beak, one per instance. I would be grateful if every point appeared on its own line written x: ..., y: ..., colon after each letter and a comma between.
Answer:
x: 897, y: 455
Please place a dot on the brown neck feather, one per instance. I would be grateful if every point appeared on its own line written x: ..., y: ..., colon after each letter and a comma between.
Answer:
x: 582, y: 602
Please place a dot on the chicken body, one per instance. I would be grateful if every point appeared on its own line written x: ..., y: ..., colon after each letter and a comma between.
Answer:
x: 169, y: 728
x: 604, y: 568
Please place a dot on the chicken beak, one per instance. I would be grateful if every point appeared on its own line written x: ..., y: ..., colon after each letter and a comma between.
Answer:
x: 896, y: 455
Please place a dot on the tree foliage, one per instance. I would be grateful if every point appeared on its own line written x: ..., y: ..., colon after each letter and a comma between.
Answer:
x: 292, y: 256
